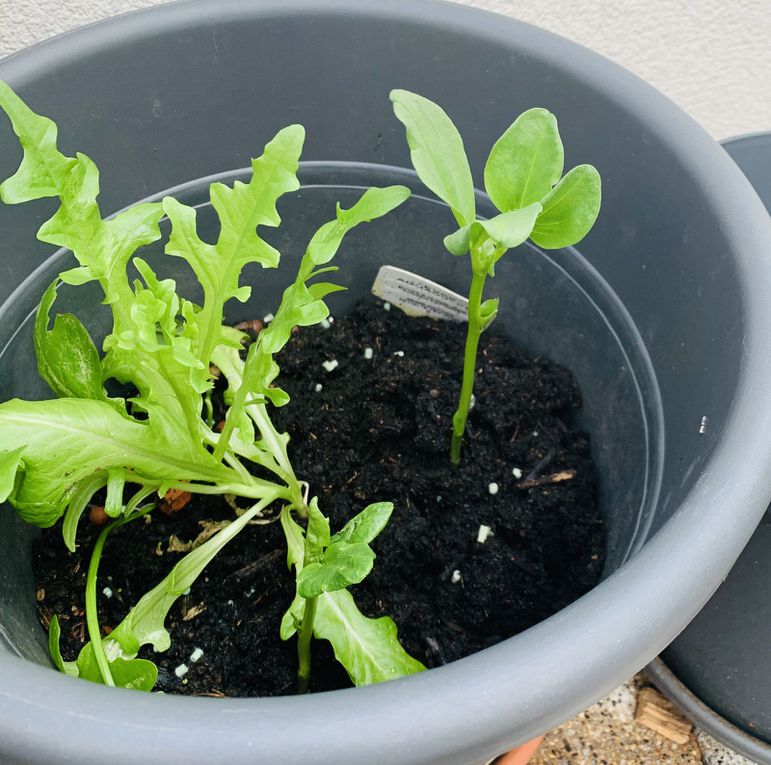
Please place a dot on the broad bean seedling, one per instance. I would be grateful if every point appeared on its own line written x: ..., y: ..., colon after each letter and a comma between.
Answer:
x: 523, y: 178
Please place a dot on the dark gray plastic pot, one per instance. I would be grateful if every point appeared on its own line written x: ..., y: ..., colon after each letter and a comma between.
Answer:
x: 663, y: 323
x: 719, y: 669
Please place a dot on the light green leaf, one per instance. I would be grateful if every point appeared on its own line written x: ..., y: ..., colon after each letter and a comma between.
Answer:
x: 54, y: 639
x: 437, y: 152
x: 320, y: 290
x: 342, y: 565
x: 295, y: 546
x: 67, y: 357
x: 102, y: 248
x: 374, y: 203
x: 134, y: 674
x: 244, y: 207
x: 43, y: 167
x: 295, y: 539
x: 369, y: 649
x: 508, y: 230
x: 87, y: 667
x: 366, y: 525
x: 292, y: 618
x: 120, y: 237
x: 570, y: 210
x: 65, y: 441
x: 302, y: 305
x: 459, y: 242
x: 317, y: 534
x: 78, y: 221
x: 77, y: 505
x: 227, y: 359
x: 144, y: 624
x: 241, y: 209
x: 154, y: 352
x: 525, y: 162
x: 11, y: 462
x: 77, y: 276
x: 488, y: 311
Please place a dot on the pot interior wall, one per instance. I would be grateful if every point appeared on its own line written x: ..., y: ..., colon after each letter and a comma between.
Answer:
x: 555, y: 305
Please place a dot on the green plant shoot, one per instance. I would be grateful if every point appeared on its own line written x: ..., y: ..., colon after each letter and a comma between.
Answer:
x: 56, y: 454
x: 524, y: 179
x: 325, y: 566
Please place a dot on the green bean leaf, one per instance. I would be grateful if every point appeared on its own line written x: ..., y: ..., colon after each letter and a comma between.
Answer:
x: 437, y: 152
x: 570, y: 210
x: 525, y: 162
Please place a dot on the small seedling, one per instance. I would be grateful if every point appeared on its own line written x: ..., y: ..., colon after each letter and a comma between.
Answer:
x: 523, y: 178
x: 57, y: 454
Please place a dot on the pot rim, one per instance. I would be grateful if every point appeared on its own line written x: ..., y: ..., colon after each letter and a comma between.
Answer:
x: 489, y: 693
x: 702, y: 714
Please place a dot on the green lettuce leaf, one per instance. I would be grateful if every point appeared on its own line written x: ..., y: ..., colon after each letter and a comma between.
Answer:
x: 59, y: 444
x: 366, y: 525
x: 43, y: 166
x: 301, y: 305
x: 343, y: 565
x: 145, y: 623
x: 54, y: 642
x: 132, y: 674
x: 67, y: 357
x: 241, y: 209
x: 369, y: 649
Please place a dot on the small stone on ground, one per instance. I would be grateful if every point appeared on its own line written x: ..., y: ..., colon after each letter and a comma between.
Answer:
x: 716, y: 753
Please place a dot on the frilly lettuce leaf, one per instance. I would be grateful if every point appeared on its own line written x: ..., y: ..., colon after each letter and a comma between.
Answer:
x: 51, y: 447
x: 241, y: 209
x: 303, y: 304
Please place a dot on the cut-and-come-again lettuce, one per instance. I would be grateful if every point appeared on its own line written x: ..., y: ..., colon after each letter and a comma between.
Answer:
x: 56, y: 454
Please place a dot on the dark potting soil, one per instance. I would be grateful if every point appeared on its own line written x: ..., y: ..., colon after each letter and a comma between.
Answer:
x: 377, y: 429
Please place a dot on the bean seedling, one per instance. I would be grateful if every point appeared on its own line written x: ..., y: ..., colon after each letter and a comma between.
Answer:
x: 523, y: 178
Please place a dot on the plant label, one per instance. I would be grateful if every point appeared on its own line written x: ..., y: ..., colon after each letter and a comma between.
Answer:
x: 418, y: 296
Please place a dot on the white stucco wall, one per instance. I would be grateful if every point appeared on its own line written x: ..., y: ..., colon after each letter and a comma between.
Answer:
x: 712, y: 57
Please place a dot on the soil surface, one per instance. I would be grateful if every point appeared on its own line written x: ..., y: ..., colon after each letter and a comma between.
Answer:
x: 377, y: 429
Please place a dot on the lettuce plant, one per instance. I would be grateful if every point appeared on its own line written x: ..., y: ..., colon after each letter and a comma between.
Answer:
x: 523, y: 179
x: 55, y: 455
